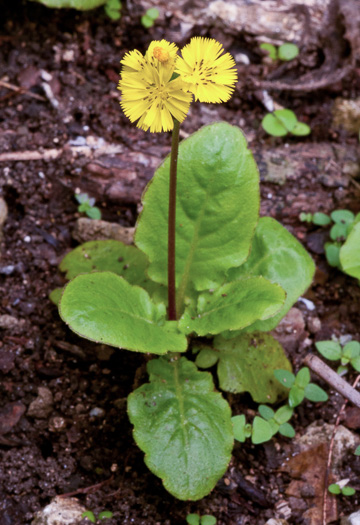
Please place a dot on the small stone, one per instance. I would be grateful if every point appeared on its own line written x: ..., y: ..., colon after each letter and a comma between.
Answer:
x: 353, y: 519
x: 95, y: 230
x: 276, y: 521
x: 7, y: 270
x: 61, y: 511
x: 314, y: 325
x: 57, y: 424
x: 42, y: 406
x: 9, y: 322
x: 97, y: 412
x: 346, y: 114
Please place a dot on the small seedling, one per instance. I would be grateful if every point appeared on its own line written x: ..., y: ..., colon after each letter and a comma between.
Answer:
x: 195, y: 519
x: 101, y: 516
x: 113, y: 9
x: 300, y: 387
x: 357, y: 451
x: 148, y: 19
x: 284, y: 121
x: 265, y: 427
x: 285, y: 52
x: 347, y: 354
x: 341, y: 488
x: 86, y: 205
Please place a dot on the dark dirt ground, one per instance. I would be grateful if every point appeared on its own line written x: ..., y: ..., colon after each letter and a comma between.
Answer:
x: 64, y: 449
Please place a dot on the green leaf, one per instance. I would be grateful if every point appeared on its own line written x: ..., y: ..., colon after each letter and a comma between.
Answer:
x: 146, y: 21
x: 283, y: 414
x: 302, y: 377
x: 82, y: 5
x: 287, y: 118
x: 240, y: 428
x: 278, y: 256
x: 153, y: 13
x: 183, y: 426
x: 193, y: 519
x: 315, y: 393
x: 206, y: 358
x: 351, y: 349
x: 247, y: 364
x: 94, y: 213
x: 296, y: 396
x: 343, y: 216
x: 338, y: 232
x: 273, y: 126
x: 261, y: 431
x: 350, y: 253
x: 348, y: 491
x: 217, y: 209
x: 266, y: 412
x: 208, y: 520
x: 301, y: 129
x: 355, y: 363
x: 286, y: 378
x: 357, y: 451
x: 321, y: 219
x: 55, y: 295
x: 89, y: 515
x: 288, y: 51
x: 105, y: 514
x: 334, y: 488
x: 233, y: 306
x: 103, y: 307
x: 287, y: 430
x: 332, y: 252
x: 270, y: 49
x: 329, y: 349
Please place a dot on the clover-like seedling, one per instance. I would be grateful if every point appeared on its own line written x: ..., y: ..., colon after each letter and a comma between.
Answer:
x: 195, y: 519
x: 148, y: 19
x: 300, y: 387
x: 318, y: 218
x: 86, y: 205
x: 341, y: 488
x: 113, y: 9
x: 284, y: 52
x: 278, y: 420
x: 284, y: 121
x: 346, y: 354
x: 101, y: 516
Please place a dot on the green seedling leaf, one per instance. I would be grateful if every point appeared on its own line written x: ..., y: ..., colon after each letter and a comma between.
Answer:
x: 287, y: 118
x: 343, y: 216
x: 273, y: 126
x: 105, y: 514
x: 334, y: 489
x: 233, y: 306
x: 55, y: 295
x: 321, y: 219
x: 146, y: 21
x: 348, y: 491
x: 301, y: 129
x: 112, y: 9
x: 89, y: 515
x: 81, y: 5
x: 287, y: 430
x: 266, y: 412
x: 247, y: 363
x: 183, y: 426
x: 208, y: 520
x: 296, y: 396
x: 261, y: 431
x: 338, y: 232
x: 286, y: 378
x: 214, y: 166
x: 94, y: 213
x: 84, y: 207
x: 329, y: 349
x: 357, y: 451
x: 306, y: 217
x: 153, y: 13
x: 315, y: 393
x: 288, y: 51
x: 352, y: 349
x: 271, y: 50
x: 302, y: 377
x: 355, y: 363
x: 342, y: 370
x: 103, y: 307
x: 206, y: 358
x: 332, y: 252
x: 283, y: 414
x: 279, y: 257
x: 193, y: 519
x: 350, y: 253
x: 242, y: 431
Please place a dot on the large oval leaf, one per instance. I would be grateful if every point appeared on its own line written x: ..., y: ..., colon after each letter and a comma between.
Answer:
x: 104, y: 307
x: 82, y: 5
x: 278, y: 256
x: 217, y: 196
x: 183, y: 426
x: 247, y: 363
x: 350, y: 253
x: 233, y: 306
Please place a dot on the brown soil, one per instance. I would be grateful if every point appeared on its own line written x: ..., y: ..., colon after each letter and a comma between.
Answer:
x: 64, y: 449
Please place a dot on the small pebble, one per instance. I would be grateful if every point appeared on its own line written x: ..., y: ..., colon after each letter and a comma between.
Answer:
x: 97, y: 412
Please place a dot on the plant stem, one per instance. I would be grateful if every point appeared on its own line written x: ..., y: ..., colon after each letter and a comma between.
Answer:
x: 172, y: 223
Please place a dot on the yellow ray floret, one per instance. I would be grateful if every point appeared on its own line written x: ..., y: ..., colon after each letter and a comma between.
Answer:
x: 210, y: 74
x: 150, y: 97
x: 162, y: 53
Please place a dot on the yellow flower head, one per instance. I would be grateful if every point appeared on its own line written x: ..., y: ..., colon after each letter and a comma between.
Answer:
x: 210, y: 74
x: 149, y: 96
